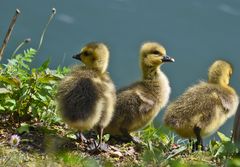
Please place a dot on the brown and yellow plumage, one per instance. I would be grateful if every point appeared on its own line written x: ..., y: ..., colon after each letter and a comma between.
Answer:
x: 138, y: 104
x: 86, y: 96
x: 204, y: 107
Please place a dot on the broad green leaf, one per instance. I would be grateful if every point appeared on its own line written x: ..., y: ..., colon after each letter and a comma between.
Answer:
x: 11, y: 81
x: 35, y: 97
x: 48, y: 78
x: 26, y: 66
x: 18, y: 56
x: 214, y: 146
x: 43, y: 98
x: 33, y: 51
x: 219, y: 151
x: 10, y: 103
x: 165, y: 139
x: 71, y: 136
x: 48, y: 87
x: 223, y: 137
x: 44, y: 66
x: 23, y: 128
x: 12, y: 62
x: 2, y: 108
x: 4, y: 91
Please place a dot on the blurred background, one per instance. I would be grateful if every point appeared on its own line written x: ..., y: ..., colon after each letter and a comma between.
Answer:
x: 194, y: 32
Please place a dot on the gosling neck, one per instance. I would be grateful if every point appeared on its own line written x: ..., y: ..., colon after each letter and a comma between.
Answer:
x: 223, y: 84
x: 100, y: 67
x: 217, y: 81
x: 151, y: 72
x: 100, y: 70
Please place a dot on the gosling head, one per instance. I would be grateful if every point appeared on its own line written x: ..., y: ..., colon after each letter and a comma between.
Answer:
x: 94, y: 55
x: 220, y: 72
x: 153, y: 54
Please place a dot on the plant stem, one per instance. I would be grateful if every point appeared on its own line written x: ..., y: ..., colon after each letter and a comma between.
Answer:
x: 8, y: 34
x: 45, y: 28
x: 20, y: 45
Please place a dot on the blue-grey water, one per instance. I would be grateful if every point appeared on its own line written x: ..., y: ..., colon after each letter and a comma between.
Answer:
x: 195, y: 33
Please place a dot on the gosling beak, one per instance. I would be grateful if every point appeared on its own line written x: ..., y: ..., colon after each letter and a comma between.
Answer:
x: 167, y: 58
x: 77, y: 56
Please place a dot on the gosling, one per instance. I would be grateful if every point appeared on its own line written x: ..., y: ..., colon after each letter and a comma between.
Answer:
x: 87, y: 96
x: 138, y: 104
x: 204, y: 107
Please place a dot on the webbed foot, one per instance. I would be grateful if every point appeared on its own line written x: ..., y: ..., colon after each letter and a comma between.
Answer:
x: 95, y: 148
x: 81, y: 138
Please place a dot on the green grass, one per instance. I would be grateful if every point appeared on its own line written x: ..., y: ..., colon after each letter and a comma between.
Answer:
x: 14, y: 157
x: 61, y: 151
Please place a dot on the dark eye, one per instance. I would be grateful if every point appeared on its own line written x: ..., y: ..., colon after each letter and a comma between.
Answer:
x: 155, y: 52
x: 87, y: 53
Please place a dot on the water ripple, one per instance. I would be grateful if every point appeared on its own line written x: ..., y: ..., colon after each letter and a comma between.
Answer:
x: 228, y: 9
x: 65, y: 18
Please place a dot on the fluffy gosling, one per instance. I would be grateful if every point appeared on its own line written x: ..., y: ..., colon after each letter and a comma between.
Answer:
x: 86, y: 96
x: 204, y: 107
x: 138, y: 104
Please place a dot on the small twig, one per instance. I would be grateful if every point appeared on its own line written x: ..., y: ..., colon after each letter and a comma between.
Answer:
x: 45, y: 28
x: 8, y: 34
x: 20, y: 45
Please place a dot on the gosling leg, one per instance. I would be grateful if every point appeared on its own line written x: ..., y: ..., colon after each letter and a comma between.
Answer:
x: 130, y: 138
x: 95, y: 147
x: 100, y: 133
x: 197, y: 132
x: 101, y: 146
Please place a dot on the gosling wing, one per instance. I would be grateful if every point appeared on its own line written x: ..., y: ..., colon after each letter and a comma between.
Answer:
x: 133, y: 103
x: 195, y: 105
x: 227, y: 102
x: 78, y: 101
